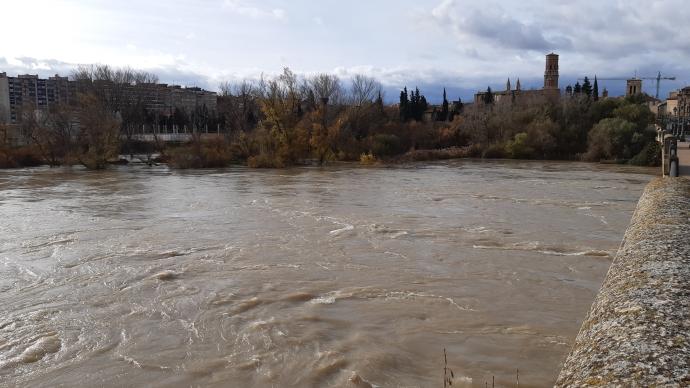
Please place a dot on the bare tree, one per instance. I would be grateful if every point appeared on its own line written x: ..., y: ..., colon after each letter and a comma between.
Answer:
x: 99, y: 132
x: 280, y: 99
x: 364, y: 90
x: 326, y: 88
x: 122, y: 92
x: 238, y: 104
x: 53, y: 132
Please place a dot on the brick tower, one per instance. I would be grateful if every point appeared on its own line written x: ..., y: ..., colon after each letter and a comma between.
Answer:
x: 633, y: 87
x: 551, y: 73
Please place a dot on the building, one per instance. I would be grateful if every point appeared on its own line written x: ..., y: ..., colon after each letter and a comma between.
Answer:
x: 683, y: 108
x: 549, y: 90
x: 4, y: 99
x: 551, y: 73
x: 29, y: 90
x: 670, y: 106
x: 633, y: 87
x: 17, y: 93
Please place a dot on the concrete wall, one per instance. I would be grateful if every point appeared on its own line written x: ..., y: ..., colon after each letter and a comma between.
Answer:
x: 637, y: 333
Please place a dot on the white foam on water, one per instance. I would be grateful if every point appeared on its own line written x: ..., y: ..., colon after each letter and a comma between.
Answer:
x: 536, y: 246
x: 345, y: 228
x: 323, y: 300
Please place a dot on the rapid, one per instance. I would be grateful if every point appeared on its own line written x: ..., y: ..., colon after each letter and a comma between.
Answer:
x: 342, y: 276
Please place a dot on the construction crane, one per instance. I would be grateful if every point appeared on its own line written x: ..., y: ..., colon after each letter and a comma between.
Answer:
x: 658, y: 79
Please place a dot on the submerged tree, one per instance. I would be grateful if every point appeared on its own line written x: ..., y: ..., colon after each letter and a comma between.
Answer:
x: 98, y: 139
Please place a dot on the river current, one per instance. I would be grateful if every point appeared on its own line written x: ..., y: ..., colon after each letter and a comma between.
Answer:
x: 343, y: 276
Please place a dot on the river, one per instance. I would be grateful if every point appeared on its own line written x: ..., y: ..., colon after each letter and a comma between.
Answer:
x: 341, y: 276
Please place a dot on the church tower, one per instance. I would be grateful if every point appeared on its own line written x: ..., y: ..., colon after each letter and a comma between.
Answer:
x: 633, y: 87
x: 551, y: 73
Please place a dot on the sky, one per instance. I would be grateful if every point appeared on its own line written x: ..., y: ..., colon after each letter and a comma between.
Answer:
x: 461, y: 45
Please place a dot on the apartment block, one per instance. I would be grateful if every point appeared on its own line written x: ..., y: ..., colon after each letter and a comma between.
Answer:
x: 29, y: 90
x: 17, y: 93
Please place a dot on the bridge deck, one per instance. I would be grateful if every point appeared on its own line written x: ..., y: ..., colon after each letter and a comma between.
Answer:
x: 684, y: 158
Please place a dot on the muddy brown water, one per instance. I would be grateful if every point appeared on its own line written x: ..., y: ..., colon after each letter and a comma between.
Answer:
x: 305, y: 277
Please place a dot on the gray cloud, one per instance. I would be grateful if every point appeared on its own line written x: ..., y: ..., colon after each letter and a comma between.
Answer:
x: 460, y: 44
x: 492, y: 24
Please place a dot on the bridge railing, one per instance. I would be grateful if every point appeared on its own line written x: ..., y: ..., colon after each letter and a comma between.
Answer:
x: 637, y: 333
x: 669, y: 154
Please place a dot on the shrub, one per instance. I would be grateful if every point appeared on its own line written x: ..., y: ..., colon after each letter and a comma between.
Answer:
x: 201, y: 154
x: 475, y: 151
x: 519, y: 148
x: 20, y: 157
x: 264, y: 160
x: 385, y: 145
x: 649, y: 156
x: 495, y: 151
x: 608, y: 139
x: 368, y: 159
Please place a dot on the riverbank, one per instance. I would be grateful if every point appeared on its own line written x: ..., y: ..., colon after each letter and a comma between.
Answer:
x: 214, y: 156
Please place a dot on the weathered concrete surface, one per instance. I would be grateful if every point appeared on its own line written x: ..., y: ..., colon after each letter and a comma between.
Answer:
x: 637, y: 333
x: 684, y: 158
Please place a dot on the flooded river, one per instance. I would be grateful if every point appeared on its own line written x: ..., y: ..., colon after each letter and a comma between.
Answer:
x: 337, y: 277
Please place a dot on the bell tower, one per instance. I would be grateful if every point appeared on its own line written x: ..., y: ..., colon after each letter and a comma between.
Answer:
x: 633, y: 87
x: 551, y: 73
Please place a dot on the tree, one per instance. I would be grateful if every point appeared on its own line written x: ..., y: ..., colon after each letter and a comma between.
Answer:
x: 326, y: 86
x: 98, y: 139
x: 53, y: 133
x: 595, y: 89
x: 609, y: 139
x: 488, y: 96
x: 238, y: 105
x: 364, y: 90
x: 578, y: 88
x: 379, y: 103
x: 279, y: 140
x: 587, y: 88
x: 444, y: 108
x: 404, y: 102
x: 121, y: 91
x: 320, y: 139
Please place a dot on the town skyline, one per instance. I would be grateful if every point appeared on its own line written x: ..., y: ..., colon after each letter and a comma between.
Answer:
x: 453, y: 44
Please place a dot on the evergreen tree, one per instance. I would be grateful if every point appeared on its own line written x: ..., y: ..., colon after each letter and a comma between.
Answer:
x: 569, y: 90
x: 444, y: 107
x: 587, y: 87
x: 422, y: 108
x: 595, y: 89
x: 489, y: 96
x: 379, y: 103
x: 412, y: 105
x: 578, y: 88
x: 404, y: 110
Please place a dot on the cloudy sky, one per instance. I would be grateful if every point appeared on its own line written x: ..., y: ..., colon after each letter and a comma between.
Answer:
x: 462, y: 45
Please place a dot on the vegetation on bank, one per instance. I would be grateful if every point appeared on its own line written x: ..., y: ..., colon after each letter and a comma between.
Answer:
x: 289, y: 120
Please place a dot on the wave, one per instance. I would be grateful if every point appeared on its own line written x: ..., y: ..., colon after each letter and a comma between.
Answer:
x: 386, y: 231
x: 536, y: 246
x: 345, y: 228
x: 43, y: 346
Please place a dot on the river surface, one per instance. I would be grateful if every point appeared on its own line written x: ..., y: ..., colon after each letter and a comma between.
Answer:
x: 309, y: 277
